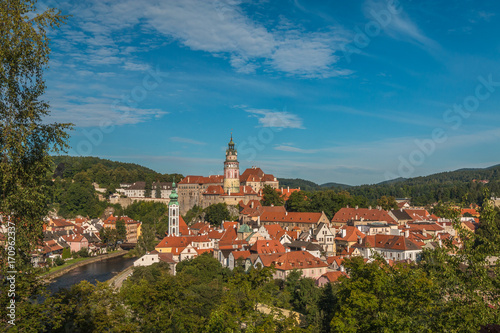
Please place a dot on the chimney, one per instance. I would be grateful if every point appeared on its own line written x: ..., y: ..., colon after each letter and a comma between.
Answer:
x: 407, y: 233
x: 369, y: 207
x: 286, y: 213
x: 343, y: 232
x: 288, y: 189
x: 357, y: 206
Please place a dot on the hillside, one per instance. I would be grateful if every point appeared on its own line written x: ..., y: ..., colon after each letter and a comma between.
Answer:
x: 305, y: 185
x: 106, y: 172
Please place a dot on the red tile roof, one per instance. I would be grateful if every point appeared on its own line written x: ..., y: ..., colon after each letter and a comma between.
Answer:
x: 352, y: 234
x: 214, y: 190
x: 241, y: 254
x: 174, y: 242
x: 267, y: 246
x: 214, y: 179
x: 74, y: 238
x: 286, y: 192
x: 296, y: 217
x: 389, y: 242
x: 418, y: 214
x: 427, y: 226
x: 345, y: 215
x: 61, y: 223
x: 298, y: 260
x: 333, y: 276
x: 273, y: 230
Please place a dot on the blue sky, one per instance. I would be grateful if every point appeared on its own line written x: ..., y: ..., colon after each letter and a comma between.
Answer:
x: 352, y: 92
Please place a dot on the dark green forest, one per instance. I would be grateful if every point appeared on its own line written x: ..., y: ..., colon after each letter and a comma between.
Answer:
x: 456, y: 187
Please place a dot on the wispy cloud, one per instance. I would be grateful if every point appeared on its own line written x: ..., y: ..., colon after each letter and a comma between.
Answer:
x: 292, y: 149
x: 86, y: 112
x: 400, y: 26
x: 187, y: 140
x: 277, y: 119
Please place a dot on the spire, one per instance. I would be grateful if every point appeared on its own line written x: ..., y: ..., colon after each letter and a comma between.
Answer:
x: 173, y: 196
x: 231, y: 143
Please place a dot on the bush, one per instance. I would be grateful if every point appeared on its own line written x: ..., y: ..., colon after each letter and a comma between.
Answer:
x: 66, y: 253
x: 84, y: 253
x: 59, y: 261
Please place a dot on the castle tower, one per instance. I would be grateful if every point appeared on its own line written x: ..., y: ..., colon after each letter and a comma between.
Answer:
x: 231, y: 169
x: 173, y: 213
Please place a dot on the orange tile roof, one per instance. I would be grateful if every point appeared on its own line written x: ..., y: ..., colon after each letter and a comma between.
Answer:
x: 352, y: 234
x: 286, y: 192
x: 471, y: 211
x: 426, y: 226
x: 61, y: 223
x: 333, y: 276
x: 241, y: 254
x: 298, y: 260
x: 244, y: 190
x: 273, y: 230
x: 213, y: 179
x: 345, y: 215
x: 418, y: 214
x: 389, y: 242
x: 336, y: 259
x: 74, y: 238
x: 267, y: 246
x: 252, y: 174
x: 296, y: 217
x: 214, y: 190
x: 229, y: 224
x: 174, y: 242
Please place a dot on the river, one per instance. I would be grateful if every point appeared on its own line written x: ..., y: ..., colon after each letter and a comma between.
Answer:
x: 101, y: 271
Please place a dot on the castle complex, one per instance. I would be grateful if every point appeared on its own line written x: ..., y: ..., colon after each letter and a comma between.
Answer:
x: 230, y: 188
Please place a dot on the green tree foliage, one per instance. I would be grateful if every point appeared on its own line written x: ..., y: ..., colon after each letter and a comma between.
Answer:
x: 216, y: 213
x: 378, y: 297
x: 329, y: 201
x: 121, y: 230
x: 147, y: 240
x: 271, y: 197
x: 26, y: 138
x: 148, y: 189
x: 147, y: 212
x: 158, y: 190
x: 154, y: 214
x: 193, y: 215
x: 108, y: 174
x: 387, y: 202
x: 84, y: 308
x: 66, y: 253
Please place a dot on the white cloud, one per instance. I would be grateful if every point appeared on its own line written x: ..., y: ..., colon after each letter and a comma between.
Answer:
x: 131, y: 66
x: 220, y: 27
x: 283, y: 119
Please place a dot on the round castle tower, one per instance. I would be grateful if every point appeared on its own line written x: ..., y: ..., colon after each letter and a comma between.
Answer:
x: 231, y: 169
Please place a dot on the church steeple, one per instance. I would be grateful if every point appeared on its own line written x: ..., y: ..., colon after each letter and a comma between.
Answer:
x: 173, y: 212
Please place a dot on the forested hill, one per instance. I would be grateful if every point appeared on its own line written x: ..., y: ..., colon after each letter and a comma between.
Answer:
x: 106, y: 172
x: 460, y: 186
x: 453, y: 186
x: 462, y: 175
x: 307, y: 185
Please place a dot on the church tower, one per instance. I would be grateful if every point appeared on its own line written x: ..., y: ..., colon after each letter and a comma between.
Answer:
x: 231, y: 169
x: 173, y: 212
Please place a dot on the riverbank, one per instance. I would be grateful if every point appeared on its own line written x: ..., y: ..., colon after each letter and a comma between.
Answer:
x: 55, y: 274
